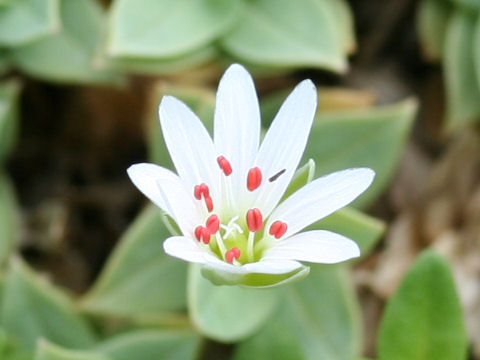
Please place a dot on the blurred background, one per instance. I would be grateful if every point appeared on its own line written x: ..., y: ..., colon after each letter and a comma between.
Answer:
x: 399, y: 90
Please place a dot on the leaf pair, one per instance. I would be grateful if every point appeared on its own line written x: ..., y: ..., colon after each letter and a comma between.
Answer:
x: 55, y: 40
x: 165, y: 35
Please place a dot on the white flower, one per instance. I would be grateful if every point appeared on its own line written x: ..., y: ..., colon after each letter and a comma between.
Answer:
x: 225, y: 198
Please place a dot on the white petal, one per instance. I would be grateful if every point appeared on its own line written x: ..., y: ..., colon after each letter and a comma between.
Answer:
x: 184, y: 248
x: 189, y: 144
x: 145, y: 177
x: 320, y: 198
x: 237, y: 124
x: 284, y: 144
x: 260, y: 267
x: 318, y: 246
x: 180, y: 205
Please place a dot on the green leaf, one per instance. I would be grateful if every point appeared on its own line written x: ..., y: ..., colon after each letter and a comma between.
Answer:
x: 202, y: 103
x: 227, y: 313
x: 372, y: 138
x: 171, y: 65
x: 9, y: 95
x: 167, y: 28
x: 68, y: 55
x: 365, y: 230
x: 319, y: 319
x: 10, y: 351
x: 424, y: 320
x: 140, y: 281
x: 461, y: 80
x: 9, y: 219
x: 432, y: 22
x: 340, y: 11
x: 48, y: 351
x: 33, y: 309
x: 286, y: 33
x: 151, y: 344
x: 26, y: 20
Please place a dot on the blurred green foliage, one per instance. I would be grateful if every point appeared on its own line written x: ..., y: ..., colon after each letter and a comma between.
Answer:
x: 145, y: 305
x: 76, y: 41
x: 450, y: 34
x: 424, y: 319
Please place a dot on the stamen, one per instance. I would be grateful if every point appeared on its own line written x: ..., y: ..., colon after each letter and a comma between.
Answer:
x: 232, y: 254
x: 278, y: 229
x: 277, y: 175
x: 224, y: 165
x: 209, y: 203
x: 203, y: 234
x: 213, y: 224
x: 200, y: 190
x: 250, y: 245
x: 254, y: 220
x: 254, y: 178
x: 221, y: 245
x: 205, y: 189
x: 197, y: 192
x: 198, y: 232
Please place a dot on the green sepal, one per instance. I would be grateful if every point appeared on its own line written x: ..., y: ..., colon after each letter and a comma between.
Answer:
x: 253, y: 280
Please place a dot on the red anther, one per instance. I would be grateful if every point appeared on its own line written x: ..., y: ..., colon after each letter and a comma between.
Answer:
x: 202, y: 234
x: 278, y: 229
x: 254, y: 178
x: 205, y: 235
x: 232, y: 254
x: 209, y: 203
x: 197, y: 192
x: 213, y: 224
x: 224, y: 165
x: 200, y: 190
x: 254, y: 220
x: 205, y: 190
x: 198, y: 232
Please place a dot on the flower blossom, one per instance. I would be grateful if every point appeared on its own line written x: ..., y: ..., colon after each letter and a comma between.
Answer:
x: 227, y: 195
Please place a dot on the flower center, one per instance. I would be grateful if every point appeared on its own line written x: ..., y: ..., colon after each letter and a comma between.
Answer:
x: 236, y: 242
